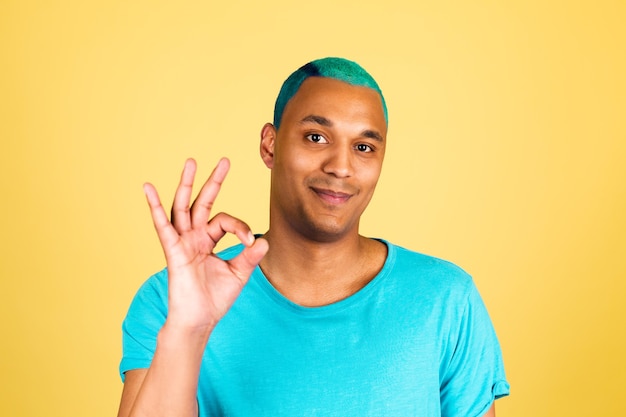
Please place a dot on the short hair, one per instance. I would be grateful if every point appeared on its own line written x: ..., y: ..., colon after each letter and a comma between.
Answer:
x: 338, y: 68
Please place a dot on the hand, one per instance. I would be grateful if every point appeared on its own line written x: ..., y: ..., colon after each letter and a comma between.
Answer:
x: 202, y: 287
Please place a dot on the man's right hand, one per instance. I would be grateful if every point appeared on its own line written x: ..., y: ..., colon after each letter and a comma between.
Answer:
x: 202, y: 287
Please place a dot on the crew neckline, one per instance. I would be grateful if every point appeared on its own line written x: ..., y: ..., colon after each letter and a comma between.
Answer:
x: 354, y: 299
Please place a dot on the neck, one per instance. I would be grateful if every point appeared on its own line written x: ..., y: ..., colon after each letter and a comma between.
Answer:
x: 312, y: 273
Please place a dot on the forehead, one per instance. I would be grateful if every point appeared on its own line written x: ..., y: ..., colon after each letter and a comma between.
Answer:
x: 336, y: 100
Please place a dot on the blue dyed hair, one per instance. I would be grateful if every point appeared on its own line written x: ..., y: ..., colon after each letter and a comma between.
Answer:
x: 338, y: 68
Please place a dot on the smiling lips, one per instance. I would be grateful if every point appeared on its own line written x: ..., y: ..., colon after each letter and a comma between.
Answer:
x: 331, y: 197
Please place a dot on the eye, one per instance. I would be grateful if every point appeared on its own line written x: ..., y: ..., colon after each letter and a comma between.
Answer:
x: 362, y: 147
x: 316, y: 138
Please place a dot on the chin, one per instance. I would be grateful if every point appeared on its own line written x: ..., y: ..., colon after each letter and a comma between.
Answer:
x: 326, y: 232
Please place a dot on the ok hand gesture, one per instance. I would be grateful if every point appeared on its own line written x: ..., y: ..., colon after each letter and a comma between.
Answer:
x: 202, y: 287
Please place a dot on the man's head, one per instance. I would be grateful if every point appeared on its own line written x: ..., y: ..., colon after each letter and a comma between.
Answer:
x: 338, y: 68
x: 327, y: 155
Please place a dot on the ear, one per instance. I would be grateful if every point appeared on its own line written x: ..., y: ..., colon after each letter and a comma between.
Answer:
x: 268, y: 139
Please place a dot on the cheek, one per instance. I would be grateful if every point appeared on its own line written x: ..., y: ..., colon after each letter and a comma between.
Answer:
x: 371, y: 173
x: 290, y: 170
x: 294, y: 162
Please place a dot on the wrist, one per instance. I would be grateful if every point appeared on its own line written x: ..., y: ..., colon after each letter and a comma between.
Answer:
x: 174, y: 334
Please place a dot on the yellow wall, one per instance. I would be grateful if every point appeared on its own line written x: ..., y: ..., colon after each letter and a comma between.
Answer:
x: 507, y: 152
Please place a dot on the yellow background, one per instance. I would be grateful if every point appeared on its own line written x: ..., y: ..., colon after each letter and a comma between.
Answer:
x: 506, y: 155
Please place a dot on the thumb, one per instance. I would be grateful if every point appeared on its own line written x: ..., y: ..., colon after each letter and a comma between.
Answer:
x: 244, y: 263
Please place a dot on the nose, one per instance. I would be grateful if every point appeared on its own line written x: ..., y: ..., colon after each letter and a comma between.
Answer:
x: 339, y: 162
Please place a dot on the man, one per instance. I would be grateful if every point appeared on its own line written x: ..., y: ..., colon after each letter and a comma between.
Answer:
x: 311, y: 319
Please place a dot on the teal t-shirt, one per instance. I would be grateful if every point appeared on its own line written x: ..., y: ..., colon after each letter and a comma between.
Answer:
x: 415, y: 341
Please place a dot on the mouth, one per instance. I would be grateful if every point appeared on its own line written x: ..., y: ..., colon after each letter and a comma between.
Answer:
x: 330, y: 196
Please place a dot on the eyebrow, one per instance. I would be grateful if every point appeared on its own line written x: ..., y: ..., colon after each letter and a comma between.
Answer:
x: 321, y: 120
x: 372, y: 134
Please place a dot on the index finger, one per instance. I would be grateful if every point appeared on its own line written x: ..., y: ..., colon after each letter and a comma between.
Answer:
x: 203, y: 204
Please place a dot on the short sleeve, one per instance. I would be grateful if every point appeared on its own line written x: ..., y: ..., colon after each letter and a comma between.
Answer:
x: 474, y: 376
x: 146, y: 315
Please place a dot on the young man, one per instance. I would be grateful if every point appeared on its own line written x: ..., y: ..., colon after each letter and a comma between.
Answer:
x: 311, y: 319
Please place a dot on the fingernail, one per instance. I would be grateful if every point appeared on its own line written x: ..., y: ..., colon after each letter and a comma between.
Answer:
x: 250, y: 238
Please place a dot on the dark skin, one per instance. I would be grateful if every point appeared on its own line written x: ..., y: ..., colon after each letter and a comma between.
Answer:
x: 325, y: 161
x: 202, y: 288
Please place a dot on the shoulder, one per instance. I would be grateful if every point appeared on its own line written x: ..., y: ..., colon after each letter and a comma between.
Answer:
x: 150, y: 298
x: 426, y: 266
x: 155, y: 285
x: 428, y: 275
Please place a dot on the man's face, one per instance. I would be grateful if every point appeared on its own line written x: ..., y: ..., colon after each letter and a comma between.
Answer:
x: 325, y: 158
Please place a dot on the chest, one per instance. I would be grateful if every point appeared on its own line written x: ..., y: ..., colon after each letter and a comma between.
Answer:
x: 379, y: 359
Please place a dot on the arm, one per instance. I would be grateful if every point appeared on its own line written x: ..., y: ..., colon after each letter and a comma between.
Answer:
x: 132, y: 383
x: 201, y: 289
x: 491, y: 412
